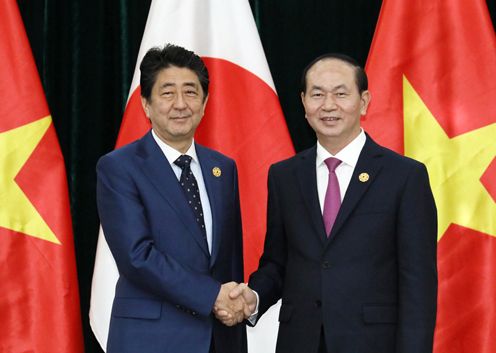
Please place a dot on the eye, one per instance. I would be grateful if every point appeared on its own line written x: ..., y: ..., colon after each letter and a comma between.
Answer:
x: 341, y: 94
x: 167, y: 93
x: 191, y: 93
x: 317, y: 94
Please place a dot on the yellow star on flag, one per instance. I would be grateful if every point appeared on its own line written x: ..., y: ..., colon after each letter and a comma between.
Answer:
x: 16, y: 210
x: 455, y: 165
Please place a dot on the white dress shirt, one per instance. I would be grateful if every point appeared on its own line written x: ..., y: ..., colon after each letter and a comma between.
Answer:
x: 172, y: 154
x: 348, y: 157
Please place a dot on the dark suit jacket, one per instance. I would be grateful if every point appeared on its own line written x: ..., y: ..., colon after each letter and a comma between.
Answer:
x: 372, y: 285
x: 168, y: 280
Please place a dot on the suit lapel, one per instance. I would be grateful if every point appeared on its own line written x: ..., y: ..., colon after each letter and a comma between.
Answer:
x: 159, y: 172
x: 306, y: 173
x: 213, y: 185
x: 367, y: 163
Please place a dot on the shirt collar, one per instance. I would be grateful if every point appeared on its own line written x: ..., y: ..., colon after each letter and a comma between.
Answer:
x: 171, y: 153
x: 348, y: 155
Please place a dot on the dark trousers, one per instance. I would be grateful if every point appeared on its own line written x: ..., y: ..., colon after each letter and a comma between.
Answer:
x: 322, y: 344
x: 212, y: 345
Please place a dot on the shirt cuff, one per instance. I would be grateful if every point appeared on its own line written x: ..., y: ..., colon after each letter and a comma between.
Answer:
x: 253, y: 317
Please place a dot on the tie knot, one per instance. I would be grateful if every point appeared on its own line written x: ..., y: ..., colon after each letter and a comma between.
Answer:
x: 183, y: 161
x: 332, y: 163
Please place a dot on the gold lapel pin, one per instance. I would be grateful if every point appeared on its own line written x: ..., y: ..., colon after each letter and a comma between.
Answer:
x: 216, y: 172
x: 364, y: 177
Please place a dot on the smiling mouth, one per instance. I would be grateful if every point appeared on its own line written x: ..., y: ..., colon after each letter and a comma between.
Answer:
x: 330, y: 119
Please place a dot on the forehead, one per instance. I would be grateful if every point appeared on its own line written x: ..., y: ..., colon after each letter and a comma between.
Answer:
x: 331, y: 72
x: 177, y: 76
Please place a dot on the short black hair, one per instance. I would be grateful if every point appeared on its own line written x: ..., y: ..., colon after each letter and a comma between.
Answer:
x: 360, y: 75
x: 157, y: 59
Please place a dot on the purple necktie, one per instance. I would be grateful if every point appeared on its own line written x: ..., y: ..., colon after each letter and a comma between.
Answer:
x: 332, y: 200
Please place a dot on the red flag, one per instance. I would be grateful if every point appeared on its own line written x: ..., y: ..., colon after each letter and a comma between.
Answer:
x: 39, y: 300
x: 243, y: 119
x: 431, y: 69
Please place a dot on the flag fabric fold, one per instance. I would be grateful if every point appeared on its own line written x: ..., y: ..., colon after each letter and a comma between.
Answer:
x: 431, y: 72
x: 243, y: 120
x: 39, y: 301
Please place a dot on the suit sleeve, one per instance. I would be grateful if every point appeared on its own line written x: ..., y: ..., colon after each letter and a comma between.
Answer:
x: 267, y: 281
x: 237, y: 258
x: 416, y: 249
x: 124, y: 221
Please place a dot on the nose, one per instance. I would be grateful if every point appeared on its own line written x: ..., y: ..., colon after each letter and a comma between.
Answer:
x: 179, y: 102
x: 329, y: 103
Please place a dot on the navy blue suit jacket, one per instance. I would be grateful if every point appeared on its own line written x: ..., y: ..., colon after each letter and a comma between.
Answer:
x: 168, y: 280
x: 372, y: 285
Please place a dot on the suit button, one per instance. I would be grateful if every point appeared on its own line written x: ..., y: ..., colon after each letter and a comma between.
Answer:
x: 194, y: 313
x: 326, y: 264
x: 318, y: 303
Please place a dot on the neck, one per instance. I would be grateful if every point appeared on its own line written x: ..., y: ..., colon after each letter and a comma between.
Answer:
x: 335, y: 144
x: 182, y: 145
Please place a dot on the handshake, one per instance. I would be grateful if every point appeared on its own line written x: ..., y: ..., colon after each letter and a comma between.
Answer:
x: 235, y: 302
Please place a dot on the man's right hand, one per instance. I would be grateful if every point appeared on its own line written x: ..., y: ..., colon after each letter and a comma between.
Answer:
x: 240, y: 304
x: 249, y: 297
x: 230, y: 311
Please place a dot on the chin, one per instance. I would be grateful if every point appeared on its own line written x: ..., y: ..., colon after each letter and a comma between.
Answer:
x: 181, y: 136
x: 332, y: 132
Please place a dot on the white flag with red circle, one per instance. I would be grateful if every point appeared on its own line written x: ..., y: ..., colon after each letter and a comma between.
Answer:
x: 243, y: 120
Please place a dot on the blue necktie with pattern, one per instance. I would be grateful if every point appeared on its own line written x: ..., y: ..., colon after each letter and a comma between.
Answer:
x: 191, y: 191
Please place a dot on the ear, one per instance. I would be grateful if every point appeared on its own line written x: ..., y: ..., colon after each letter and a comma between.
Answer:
x: 204, y: 104
x: 144, y: 104
x: 364, y: 102
x: 302, y: 96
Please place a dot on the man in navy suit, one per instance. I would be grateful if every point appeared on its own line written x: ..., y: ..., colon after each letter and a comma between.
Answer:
x: 170, y: 212
x: 351, y: 232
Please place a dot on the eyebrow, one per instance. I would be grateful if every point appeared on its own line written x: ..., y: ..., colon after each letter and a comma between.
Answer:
x: 342, y: 86
x: 191, y: 84
x: 170, y: 84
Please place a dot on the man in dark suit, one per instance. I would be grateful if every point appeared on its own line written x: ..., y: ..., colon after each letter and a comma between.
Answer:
x: 170, y: 212
x: 351, y: 232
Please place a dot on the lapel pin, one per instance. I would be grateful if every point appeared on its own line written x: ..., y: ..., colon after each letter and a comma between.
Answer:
x: 363, y: 177
x: 216, y: 172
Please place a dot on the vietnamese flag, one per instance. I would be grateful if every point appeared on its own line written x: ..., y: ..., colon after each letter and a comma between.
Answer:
x: 39, y: 299
x: 243, y: 120
x: 432, y: 72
